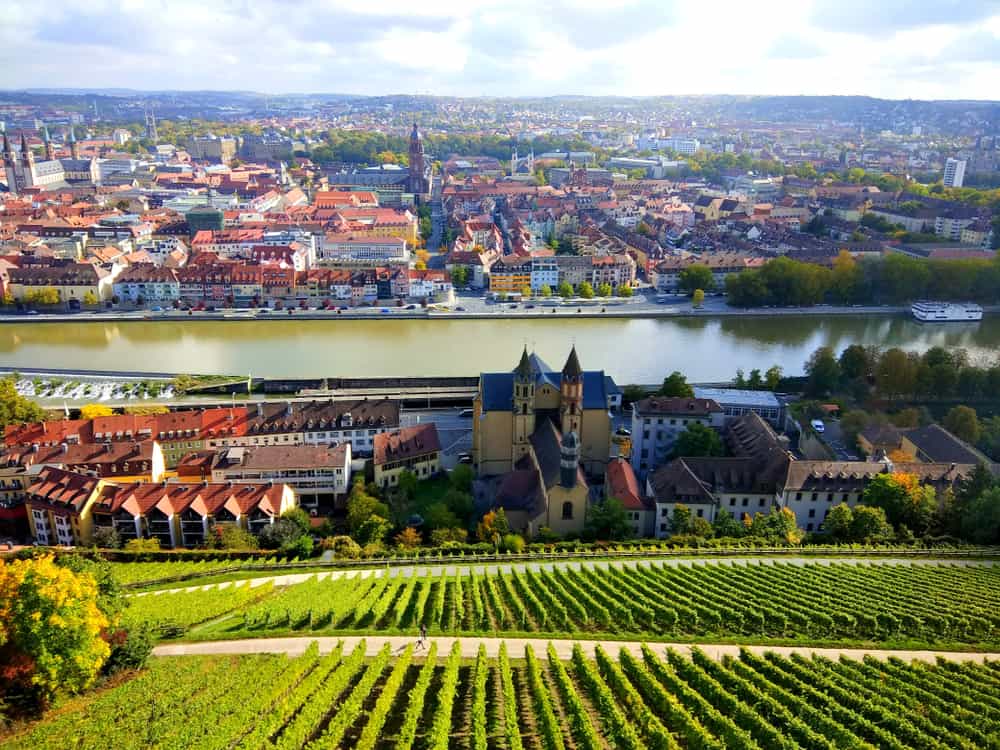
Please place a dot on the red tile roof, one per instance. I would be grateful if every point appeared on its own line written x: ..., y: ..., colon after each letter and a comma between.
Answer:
x: 408, y: 442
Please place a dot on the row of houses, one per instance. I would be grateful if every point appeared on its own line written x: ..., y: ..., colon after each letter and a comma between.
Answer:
x: 59, y: 494
x: 758, y: 475
x: 512, y: 273
x: 259, y: 284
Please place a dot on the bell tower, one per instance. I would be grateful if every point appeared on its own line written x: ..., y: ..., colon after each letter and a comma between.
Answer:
x: 524, y: 407
x: 417, y: 183
x: 50, y: 152
x: 74, y: 147
x: 27, y: 164
x: 10, y: 166
x: 571, y: 392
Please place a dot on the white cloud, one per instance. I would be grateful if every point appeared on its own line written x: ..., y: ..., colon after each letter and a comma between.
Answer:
x: 508, y: 47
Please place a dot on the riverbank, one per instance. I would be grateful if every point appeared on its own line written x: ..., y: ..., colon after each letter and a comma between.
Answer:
x: 501, y: 312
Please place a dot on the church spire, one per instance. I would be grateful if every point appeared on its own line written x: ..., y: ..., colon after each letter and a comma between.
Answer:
x: 50, y: 152
x: 523, y: 370
x: 27, y: 158
x: 74, y: 147
x: 572, y: 367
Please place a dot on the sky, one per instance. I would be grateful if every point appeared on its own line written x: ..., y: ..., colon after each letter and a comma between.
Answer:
x: 896, y: 49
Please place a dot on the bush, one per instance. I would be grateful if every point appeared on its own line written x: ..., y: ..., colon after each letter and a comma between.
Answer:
x: 513, y: 543
x: 344, y: 548
x: 129, y: 650
x: 142, y: 545
x: 301, y: 547
x: 106, y: 537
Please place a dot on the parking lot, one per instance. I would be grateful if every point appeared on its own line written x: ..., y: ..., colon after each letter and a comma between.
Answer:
x: 454, y: 430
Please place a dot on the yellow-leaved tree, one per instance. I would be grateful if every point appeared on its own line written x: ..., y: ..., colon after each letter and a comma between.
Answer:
x: 90, y: 411
x: 51, y: 631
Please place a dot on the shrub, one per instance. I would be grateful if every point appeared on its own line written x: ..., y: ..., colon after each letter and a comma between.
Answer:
x: 343, y: 547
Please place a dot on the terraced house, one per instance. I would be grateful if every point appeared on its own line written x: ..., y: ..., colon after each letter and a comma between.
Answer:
x: 414, y: 449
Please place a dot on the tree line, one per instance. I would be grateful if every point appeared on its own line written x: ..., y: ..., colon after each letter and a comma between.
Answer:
x: 896, y: 279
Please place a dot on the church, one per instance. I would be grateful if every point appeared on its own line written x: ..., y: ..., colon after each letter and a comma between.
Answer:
x: 537, y: 435
x: 22, y: 172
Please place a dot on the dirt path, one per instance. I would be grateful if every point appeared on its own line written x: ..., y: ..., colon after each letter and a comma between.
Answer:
x: 515, y: 647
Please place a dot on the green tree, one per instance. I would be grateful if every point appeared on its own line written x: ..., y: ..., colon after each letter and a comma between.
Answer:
x: 726, y: 526
x: 604, y: 290
x: 846, y: 278
x: 698, y: 440
x: 565, y: 290
x: 870, y: 525
x: 772, y: 378
x: 461, y: 478
x: 439, y: 516
x: 755, y: 382
x: 459, y: 276
x: 545, y: 291
x: 895, y: 374
x: 675, y: 385
x: 407, y: 483
x: 823, y: 372
x: 15, y: 408
x: 624, y: 291
x: 228, y: 536
x: 680, y: 519
x: 607, y: 520
x: 526, y: 291
x: 838, y: 522
x: 586, y: 290
x: 698, y: 298
x: 854, y: 362
x: 696, y: 276
x: 963, y: 422
x: 980, y: 519
x: 904, y: 499
x: 361, y: 506
x: 778, y: 525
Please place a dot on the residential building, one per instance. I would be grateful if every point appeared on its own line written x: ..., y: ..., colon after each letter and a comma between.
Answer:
x: 622, y: 485
x: 145, y: 283
x: 346, y: 248
x: 182, y: 514
x: 657, y: 421
x: 74, y: 282
x: 414, y: 449
x: 954, y: 172
x: 317, y: 473
x: 665, y: 274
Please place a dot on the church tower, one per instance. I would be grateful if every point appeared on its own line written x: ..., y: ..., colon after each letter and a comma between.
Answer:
x: 74, y: 147
x: 524, y: 406
x: 10, y: 166
x: 27, y: 164
x: 571, y: 395
x: 417, y: 184
x: 50, y: 152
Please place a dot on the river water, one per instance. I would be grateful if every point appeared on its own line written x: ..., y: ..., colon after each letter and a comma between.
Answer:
x: 632, y: 351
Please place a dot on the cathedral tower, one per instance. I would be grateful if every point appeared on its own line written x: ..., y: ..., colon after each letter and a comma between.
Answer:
x: 74, y: 147
x: 9, y: 166
x: 417, y: 183
x: 571, y: 392
x: 524, y: 406
x: 27, y: 164
x: 50, y: 152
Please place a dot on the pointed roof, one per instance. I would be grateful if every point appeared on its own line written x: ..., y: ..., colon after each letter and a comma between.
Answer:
x: 72, y: 134
x: 572, y: 367
x: 45, y: 133
x: 523, y: 369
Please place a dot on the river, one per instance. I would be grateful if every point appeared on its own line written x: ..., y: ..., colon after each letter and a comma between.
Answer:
x: 631, y: 350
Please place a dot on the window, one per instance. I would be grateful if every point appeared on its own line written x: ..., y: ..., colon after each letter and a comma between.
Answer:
x: 762, y: 502
x: 829, y: 497
x: 659, y: 421
x: 809, y: 527
x: 844, y: 498
x: 815, y: 495
x: 645, y: 434
x: 746, y: 501
x: 812, y: 512
x: 732, y: 501
x: 567, y: 510
x: 645, y: 452
x: 664, y: 512
x: 798, y: 495
x: 663, y: 527
x: 701, y: 512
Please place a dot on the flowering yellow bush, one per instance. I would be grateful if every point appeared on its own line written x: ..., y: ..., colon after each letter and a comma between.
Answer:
x: 50, y: 627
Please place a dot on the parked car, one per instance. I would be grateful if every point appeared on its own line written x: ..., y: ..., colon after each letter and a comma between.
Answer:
x: 460, y: 309
x: 817, y: 424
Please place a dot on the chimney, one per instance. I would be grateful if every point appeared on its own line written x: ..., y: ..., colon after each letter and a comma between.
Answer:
x: 260, y: 409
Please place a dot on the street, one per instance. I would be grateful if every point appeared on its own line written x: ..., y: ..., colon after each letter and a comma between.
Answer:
x: 454, y: 431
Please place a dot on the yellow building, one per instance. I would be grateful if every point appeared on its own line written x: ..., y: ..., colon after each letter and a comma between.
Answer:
x: 536, y: 434
x: 414, y: 449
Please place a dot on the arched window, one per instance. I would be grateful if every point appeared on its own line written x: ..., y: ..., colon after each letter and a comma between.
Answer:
x: 567, y: 511
x: 524, y: 408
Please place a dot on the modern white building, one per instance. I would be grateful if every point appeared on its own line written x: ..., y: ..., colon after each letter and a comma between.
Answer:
x: 954, y: 172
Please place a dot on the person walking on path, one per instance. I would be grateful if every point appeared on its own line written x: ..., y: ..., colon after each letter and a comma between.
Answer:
x: 423, y: 636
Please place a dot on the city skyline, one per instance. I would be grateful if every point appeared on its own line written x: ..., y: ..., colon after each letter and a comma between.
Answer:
x: 895, y: 51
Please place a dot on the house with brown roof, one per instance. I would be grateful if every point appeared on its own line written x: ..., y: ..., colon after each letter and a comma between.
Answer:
x: 415, y: 449
x: 622, y: 485
x: 761, y: 474
x: 58, y: 506
x: 317, y: 473
x: 77, y: 282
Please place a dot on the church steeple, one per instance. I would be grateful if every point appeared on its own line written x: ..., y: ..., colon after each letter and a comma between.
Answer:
x: 74, y: 147
x: 50, y: 152
x: 417, y: 182
x: 523, y: 406
x: 571, y: 394
x: 27, y: 158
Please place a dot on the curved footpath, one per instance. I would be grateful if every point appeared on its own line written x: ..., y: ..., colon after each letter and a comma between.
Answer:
x: 407, y: 571
x: 564, y: 648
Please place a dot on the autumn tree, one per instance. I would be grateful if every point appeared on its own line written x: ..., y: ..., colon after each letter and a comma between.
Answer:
x: 904, y: 499
x: 15, y: 408
x: 408, y: 538
x: 698, y: 298
x: 493, y: 527
x: 50, y: 632
x: 90, y: 411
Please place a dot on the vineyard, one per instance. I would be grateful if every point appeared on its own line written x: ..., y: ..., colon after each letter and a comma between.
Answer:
x: 655, y: 698
x: 134, y: 573
x: 808, y: 602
